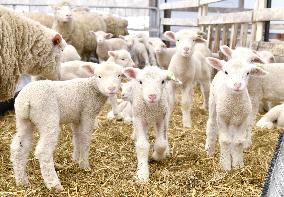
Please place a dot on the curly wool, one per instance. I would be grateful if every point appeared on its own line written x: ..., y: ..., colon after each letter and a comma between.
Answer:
x: 26, y: 47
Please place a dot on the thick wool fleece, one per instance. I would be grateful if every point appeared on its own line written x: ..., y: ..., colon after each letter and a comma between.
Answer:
x: 26, y: 47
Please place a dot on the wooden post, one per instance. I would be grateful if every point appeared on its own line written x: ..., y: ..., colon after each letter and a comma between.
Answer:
x: 167, y: 14
x: 259, y: 25
x: 153, y: 19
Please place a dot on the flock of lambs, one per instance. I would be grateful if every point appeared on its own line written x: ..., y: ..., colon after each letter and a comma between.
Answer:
x: 243, y: 85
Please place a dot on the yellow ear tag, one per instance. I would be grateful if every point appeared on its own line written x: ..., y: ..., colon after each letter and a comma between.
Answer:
x: 259, y: 66
x: 171, y: 76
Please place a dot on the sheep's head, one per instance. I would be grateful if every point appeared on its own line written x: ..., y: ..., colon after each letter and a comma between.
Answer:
x: 151, y: 81
x: 185, y: 41
x: 122, y: 58
x: 236, y: 72
x: 63, y: 13
x: 246, y: 54
x: 101, y: 36
x: 158, y: 45
x: 126, y: 91
x: 108, y: 77
x: 267, y: 56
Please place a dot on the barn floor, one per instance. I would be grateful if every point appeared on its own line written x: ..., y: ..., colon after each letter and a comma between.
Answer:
x: 188, y: 172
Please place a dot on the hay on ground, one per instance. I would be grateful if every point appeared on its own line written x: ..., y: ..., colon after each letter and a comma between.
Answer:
x: 188, y: 172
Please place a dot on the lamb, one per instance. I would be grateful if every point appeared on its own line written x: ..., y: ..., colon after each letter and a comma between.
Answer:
x: 137, y: 50
x: 75, y: 101
x: 229, y: 110
x: 189, y: 65
x: 27, y: 47
x: 163, y: 54
x: 106, y: 43
x: 150, y: 108
x: 267, y: 56
x: 75, y: 29
x: 269, y: 88
x: 80, y: 69
x: 70, y: 54
x: 125, y: 106
x: 44, y: 19
x: 150, y: 49
x: 275, y: 114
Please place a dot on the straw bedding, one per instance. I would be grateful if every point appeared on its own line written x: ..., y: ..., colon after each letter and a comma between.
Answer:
x: 188, y: 172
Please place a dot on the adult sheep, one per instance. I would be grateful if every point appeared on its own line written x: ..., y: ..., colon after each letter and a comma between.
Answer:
x: 26, y: 47
x: 75, y: 28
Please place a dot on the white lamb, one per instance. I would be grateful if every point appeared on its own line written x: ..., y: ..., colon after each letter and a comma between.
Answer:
x: 70, y: 54
x: 106, y: 43
x: 46, y: 105
x: 150, y: 108
x: 229, y: 110
x: 163, y: 54
x: 125, y: 106
x: 274, y: 115
x: 81, y: 69
x: 137, y: 50
x: 189, y: 65
x: 269, y: 88
x: 143, y: 38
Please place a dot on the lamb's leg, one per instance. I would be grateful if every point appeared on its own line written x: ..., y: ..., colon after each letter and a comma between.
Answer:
x: 115, y: 110
x: 251, y: 121
x: 76, y: 142
x: 211, y: 130
x: 205, y: 88
x: 237, y: 146
x: 142, y: 149
x: 84, y: 138
x: 44, y: 153
x: 267, y: 120
x: 187, y: 92
x: 20, y: 148
x: 225, y: 146
x: 161, y: 146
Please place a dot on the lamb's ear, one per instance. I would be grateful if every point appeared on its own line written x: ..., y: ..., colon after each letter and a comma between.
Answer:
x: 108, y: 35
x: 169, y: 75
x: 89, y: 68
x: 258, y: 72
x: 200, y: 40
x: 112, y: 54
x: 92, y: 33
x: 227, y: 51
x: 150, y: 42
x: 54, y: 7
x: 201, y: 33
x: 257, y: 60
x: 131, y: 72
x: 56, y: 39
x: 170, y: 35
x: 140, y: 39
x: 122, y: 37
x: 215, y: 63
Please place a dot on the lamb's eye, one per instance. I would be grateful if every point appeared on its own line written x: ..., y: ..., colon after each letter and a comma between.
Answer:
x: 247, y: 73
x: 118, y: 76
x: 140, y: 82
x: 122, y: 59
x: 163, y: 81
x: 177, y: 40
x: 226, y: 72
x: 99, y: 77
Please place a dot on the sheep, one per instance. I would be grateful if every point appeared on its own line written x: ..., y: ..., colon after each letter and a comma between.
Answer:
x: 70, y: 54
x: 269, y: 88
x: 137, y: 50
x: 75, y: 101
x: 121, y: 57
x: 150, y: 108
x: 27, y: 47
x: 229, y: 110
x: 150, y: 49
x: 163, y: 54
x: 125, y: 106
x: 189, y: 65
x: 115, y: 25
x: 75, y: 28
x: 106, y: 43
x: 80, y: 69
x: 275, y: 114
x: 42, y: 18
